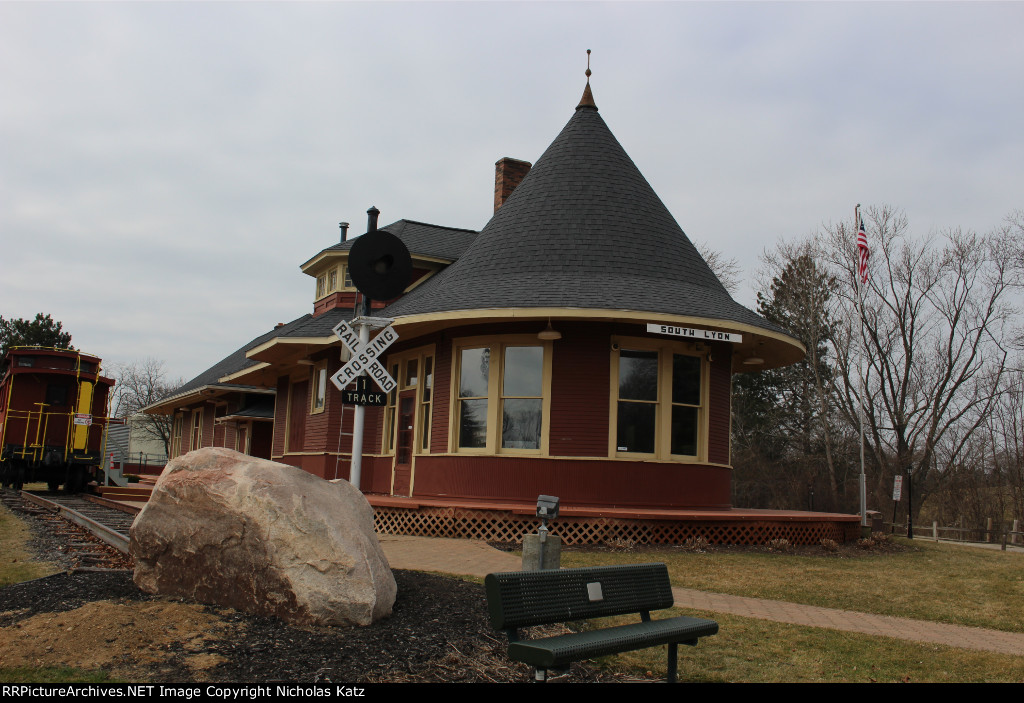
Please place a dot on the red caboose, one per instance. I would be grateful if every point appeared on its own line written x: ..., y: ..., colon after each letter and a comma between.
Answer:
x: 53, y: 411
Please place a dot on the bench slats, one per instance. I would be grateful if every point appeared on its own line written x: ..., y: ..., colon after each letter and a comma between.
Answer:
x: 555, y: 652
x: 523, y: 598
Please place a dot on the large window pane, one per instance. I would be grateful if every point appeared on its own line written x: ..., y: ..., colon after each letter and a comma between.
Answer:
x: 473, y: 423
x: 638, y: 375
x: 520, y: 423
x: 321, y: 389
x: 684, y: 430
x: 474, y: 371
x: 412, y: 376
x: 524, y: 371
x: 636, y: 427
x: 685, y: 379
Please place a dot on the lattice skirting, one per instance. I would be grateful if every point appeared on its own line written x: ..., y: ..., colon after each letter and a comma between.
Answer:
x: 501, y: 526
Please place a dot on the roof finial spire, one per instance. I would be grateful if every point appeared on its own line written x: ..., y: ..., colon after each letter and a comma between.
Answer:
x: 588, y: 98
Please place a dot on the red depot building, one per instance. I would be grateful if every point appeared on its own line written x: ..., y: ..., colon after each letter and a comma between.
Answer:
x: 577, y: 346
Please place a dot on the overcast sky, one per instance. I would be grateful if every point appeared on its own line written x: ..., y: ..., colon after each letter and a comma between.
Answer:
x: 166, y: 167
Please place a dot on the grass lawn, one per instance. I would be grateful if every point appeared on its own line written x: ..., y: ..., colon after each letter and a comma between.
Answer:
x: 16, y: 564
x: 939, y: 582
x: 750, y: 650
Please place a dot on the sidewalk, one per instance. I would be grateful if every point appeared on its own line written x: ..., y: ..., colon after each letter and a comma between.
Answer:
x: 476, y: 558
x: 851, y: 621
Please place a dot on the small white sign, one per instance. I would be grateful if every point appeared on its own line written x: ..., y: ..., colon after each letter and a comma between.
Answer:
x: 897, y: 488
x: 691, y: 333
x: 83, y: 419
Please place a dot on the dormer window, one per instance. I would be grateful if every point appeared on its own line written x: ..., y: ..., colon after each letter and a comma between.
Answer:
x: 333, y: 280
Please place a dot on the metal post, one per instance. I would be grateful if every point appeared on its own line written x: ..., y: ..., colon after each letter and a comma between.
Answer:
x: 910, y: 504
x: 543, y: 532
x: 356, y: 467
x: 863, y: 385
x: 355, y: 473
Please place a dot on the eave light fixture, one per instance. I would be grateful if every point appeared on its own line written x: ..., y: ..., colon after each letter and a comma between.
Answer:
x: 549, y: 333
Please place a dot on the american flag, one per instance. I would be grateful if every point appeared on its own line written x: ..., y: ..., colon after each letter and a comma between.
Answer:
x: 862, y: 252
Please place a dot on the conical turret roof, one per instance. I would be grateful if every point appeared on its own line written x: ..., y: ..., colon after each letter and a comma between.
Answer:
x: 584, y: 230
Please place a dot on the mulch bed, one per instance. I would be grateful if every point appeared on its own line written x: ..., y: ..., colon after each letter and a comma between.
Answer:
x: 437, y: 633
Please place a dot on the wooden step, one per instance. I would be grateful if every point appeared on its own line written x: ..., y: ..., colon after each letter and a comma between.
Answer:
x: 131, y: 492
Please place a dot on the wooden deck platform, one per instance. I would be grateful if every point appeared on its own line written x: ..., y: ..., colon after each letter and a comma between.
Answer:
x: 500, y: 521
x: 497, y: 521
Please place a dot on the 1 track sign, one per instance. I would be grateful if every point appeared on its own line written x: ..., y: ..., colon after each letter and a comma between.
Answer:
x: 364, y: 357
x: 364, y: 395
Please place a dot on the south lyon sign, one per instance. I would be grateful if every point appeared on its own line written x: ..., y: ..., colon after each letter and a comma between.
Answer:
x: 690, y: 333
x: 364, y: 357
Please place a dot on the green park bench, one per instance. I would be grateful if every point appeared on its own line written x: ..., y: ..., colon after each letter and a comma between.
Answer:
x: 526, y: 598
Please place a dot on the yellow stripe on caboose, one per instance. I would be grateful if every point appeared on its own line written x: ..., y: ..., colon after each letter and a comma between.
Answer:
x: 80, y: 438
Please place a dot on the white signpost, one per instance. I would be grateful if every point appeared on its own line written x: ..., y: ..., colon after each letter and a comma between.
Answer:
x: 363, y: 362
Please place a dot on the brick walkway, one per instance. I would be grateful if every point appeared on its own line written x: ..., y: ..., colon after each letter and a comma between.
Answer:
x: 474, y: 558
x: 851, y: 621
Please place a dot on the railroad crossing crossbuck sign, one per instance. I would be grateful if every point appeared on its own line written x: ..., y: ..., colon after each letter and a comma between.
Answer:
x: 364, y: 357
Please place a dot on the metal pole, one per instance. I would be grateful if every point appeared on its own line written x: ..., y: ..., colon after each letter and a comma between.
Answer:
x: 543, y: 532
x: 355, y: 473
x: 910, y: 504
x: 356, y: 468
x: 863, y: 383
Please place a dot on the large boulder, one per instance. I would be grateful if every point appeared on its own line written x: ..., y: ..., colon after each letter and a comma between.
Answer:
x: 265, y: 538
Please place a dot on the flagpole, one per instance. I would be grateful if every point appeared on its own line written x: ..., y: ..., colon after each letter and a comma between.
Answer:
x: 863, y: 382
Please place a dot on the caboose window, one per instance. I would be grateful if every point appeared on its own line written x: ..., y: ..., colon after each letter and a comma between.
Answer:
x: 56, y: 395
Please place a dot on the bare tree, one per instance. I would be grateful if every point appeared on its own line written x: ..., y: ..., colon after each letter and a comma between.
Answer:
x: 727, y: 270
x: 926, y: 353
x: 139, y: 384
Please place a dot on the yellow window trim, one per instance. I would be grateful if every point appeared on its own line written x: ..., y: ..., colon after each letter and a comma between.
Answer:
x: 314, y: 384
x: 663, y: 405
x: 645, y: 458
x: 324, y: 284
x: 494, y: 396
x: 193, y: 434
x: 402, y: 359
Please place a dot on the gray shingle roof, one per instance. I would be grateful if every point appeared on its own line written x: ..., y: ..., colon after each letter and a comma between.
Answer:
x: 305, y: 326
x: 583, y: 230
x: 424, y: 239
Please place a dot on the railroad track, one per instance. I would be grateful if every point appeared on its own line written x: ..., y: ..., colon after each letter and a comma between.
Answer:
x: 89, y: 535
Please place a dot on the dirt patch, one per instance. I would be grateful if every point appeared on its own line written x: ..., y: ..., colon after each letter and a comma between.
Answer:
x: 111, y: 636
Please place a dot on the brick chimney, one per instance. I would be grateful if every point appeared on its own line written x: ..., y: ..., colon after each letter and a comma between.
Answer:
x: 508, y: 174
